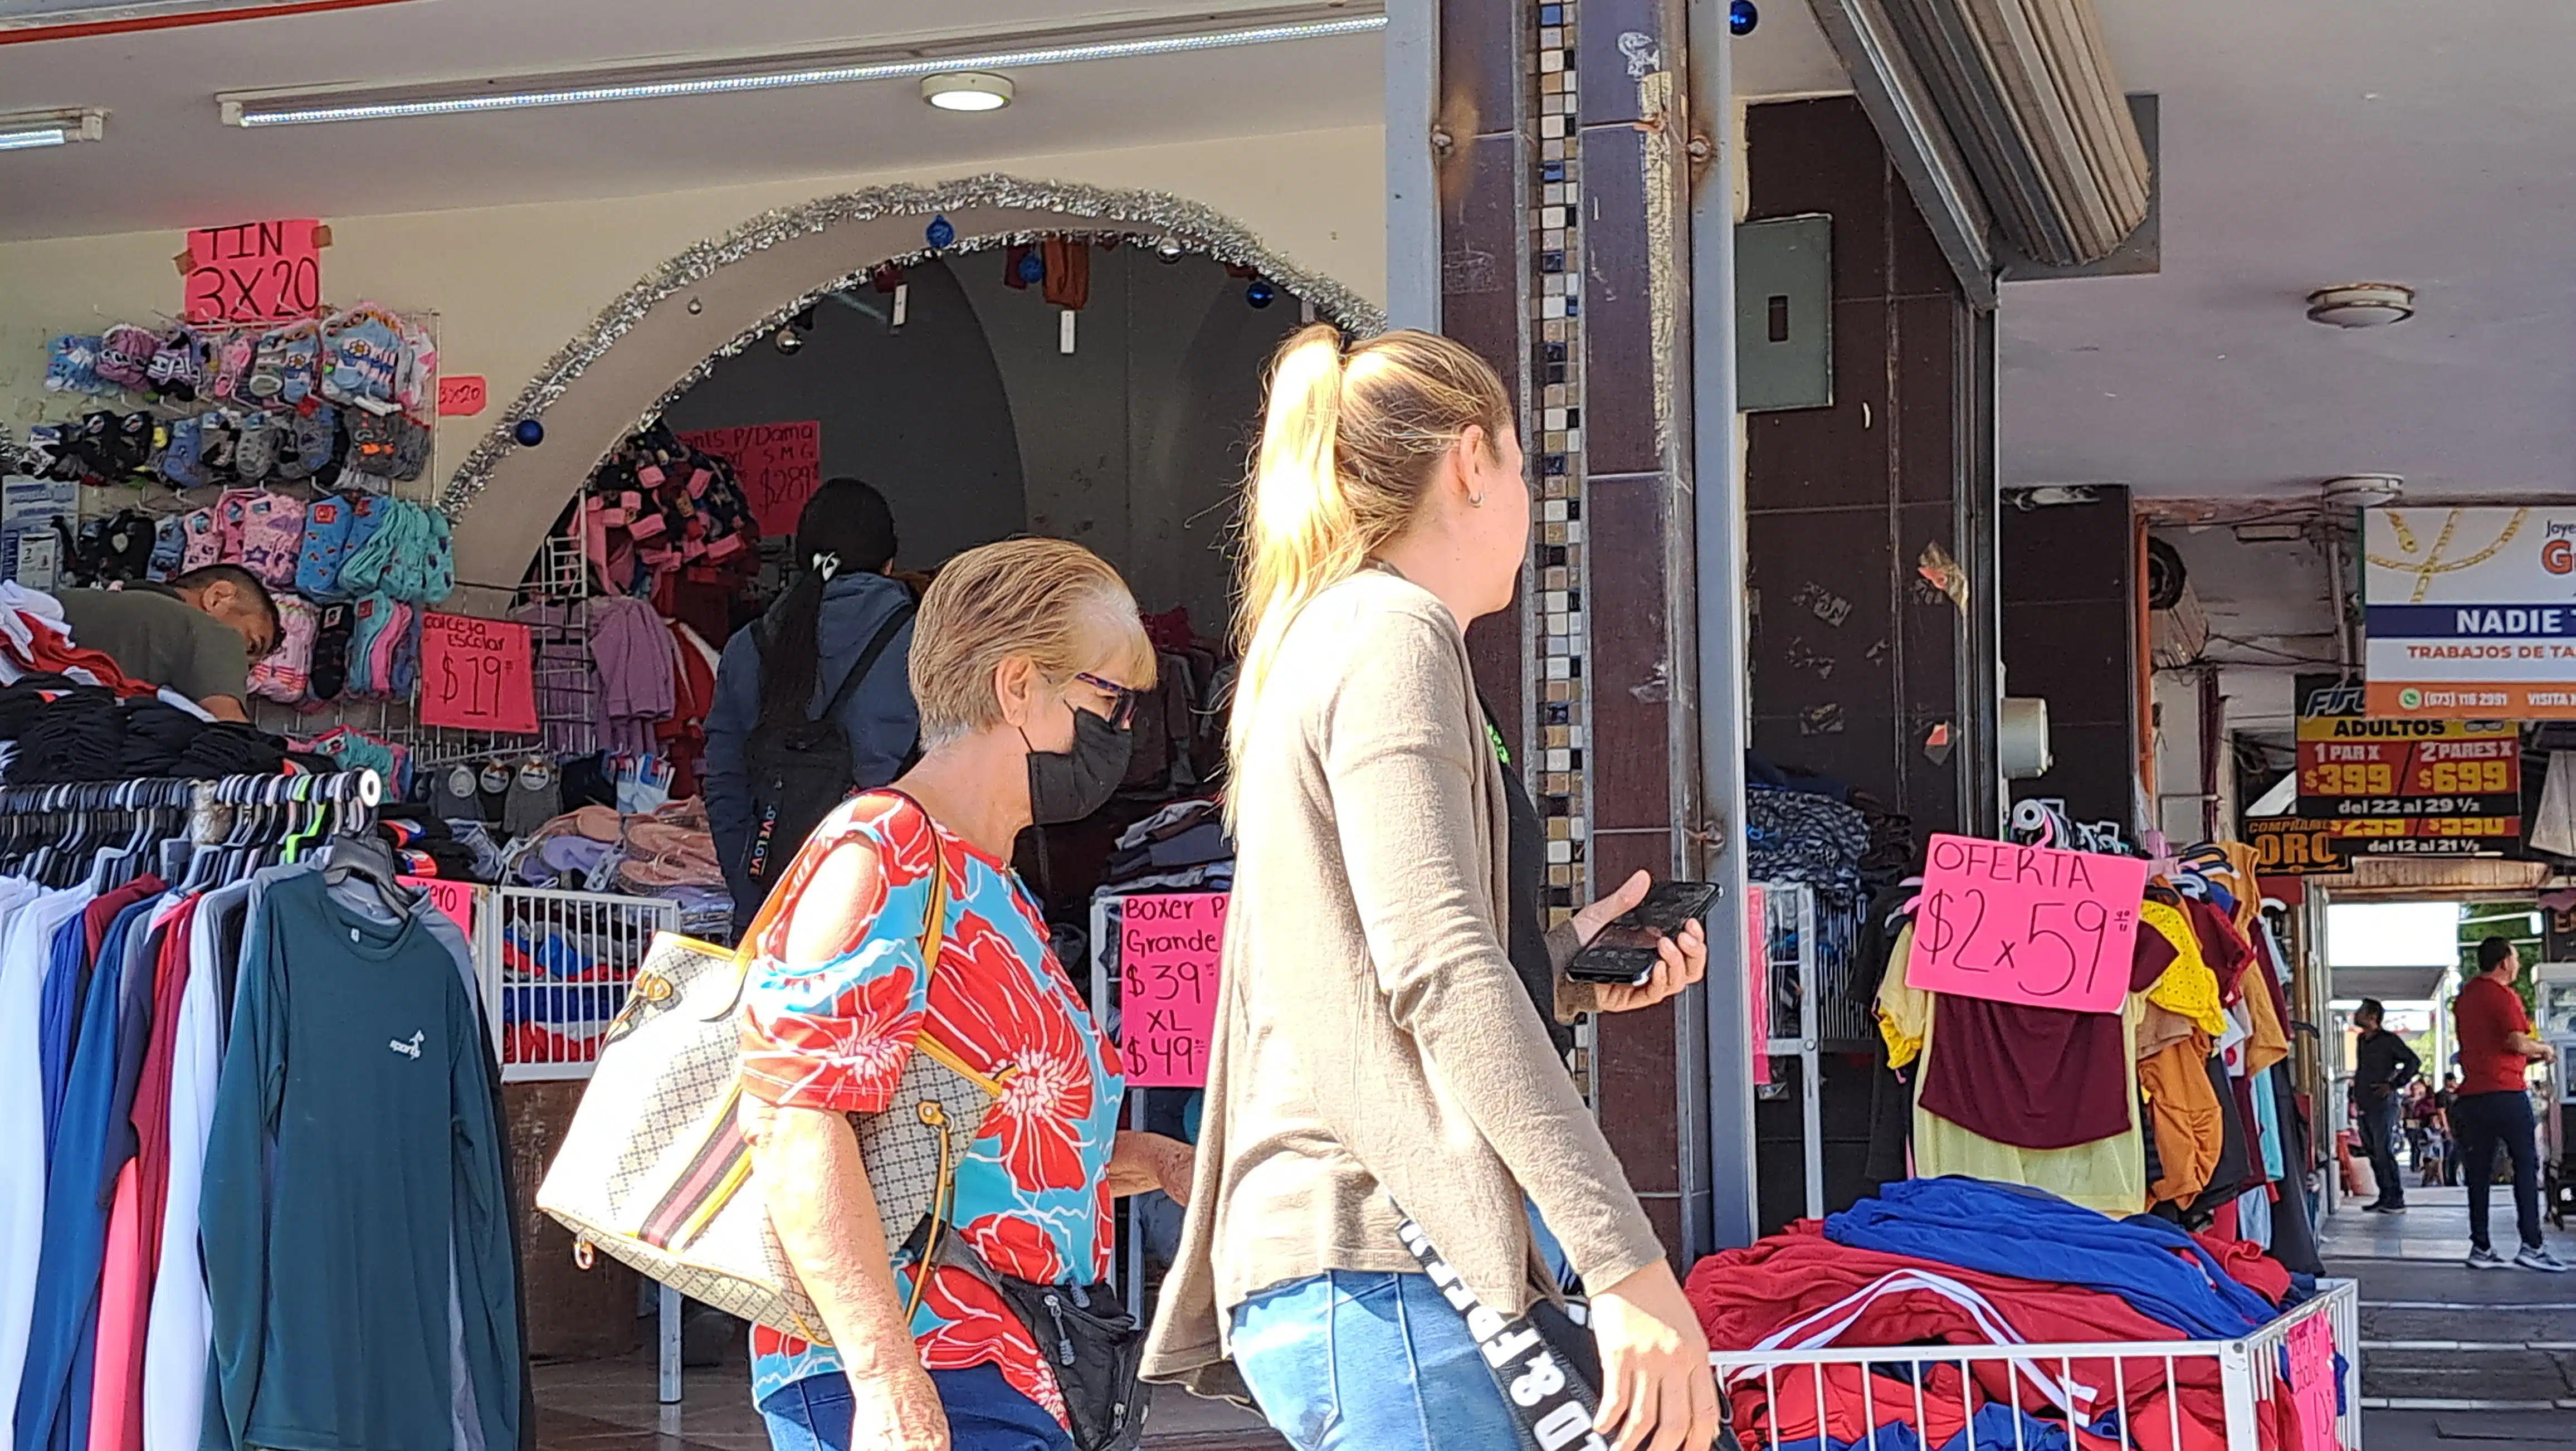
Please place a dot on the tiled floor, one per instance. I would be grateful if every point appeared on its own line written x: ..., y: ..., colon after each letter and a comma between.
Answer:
x: 610, y: 1405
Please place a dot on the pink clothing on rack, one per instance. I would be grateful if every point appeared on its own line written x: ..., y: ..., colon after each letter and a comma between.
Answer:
x: 124, y: 1300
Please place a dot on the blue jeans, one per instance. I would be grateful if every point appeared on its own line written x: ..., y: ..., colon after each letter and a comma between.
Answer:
x: 984, y: 1414
x: 1359, y: 1360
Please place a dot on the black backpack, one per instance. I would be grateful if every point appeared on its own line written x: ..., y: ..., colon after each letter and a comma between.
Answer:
x: 801, y: 771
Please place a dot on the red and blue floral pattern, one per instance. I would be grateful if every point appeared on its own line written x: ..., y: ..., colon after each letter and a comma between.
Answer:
x: 1032, y: 1191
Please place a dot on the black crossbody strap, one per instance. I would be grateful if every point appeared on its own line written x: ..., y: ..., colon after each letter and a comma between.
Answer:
x: 868, y: 660
x: 1547, y: 1396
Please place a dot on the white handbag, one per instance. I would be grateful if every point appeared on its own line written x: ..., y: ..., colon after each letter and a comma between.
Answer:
x: 655, y: 1170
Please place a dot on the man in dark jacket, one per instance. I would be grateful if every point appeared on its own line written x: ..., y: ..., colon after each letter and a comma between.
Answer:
x: 2383, y: 1065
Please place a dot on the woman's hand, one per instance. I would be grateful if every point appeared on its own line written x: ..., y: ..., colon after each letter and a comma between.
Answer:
x: 1657, y: 1393
x: 1144, y: 1162
x: 1683, y: 959
x: 897, y: 1407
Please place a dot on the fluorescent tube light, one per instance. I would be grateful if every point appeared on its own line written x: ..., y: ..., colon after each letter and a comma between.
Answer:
x: 287, y: 109
x: 50, y: 128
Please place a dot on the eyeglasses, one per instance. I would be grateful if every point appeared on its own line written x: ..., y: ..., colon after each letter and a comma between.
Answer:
x: 1122, y: 709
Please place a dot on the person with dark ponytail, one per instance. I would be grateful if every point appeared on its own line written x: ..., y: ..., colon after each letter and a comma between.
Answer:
x: 818, y: 685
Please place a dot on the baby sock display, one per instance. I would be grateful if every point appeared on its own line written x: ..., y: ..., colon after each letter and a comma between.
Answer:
x: 287, y: 672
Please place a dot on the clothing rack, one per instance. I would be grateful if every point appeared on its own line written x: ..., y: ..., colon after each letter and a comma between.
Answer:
x: 43, y: 828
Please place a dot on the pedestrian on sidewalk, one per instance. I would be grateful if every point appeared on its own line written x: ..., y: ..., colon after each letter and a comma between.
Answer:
x: 1375, y: 1044
x: 2494, y: 1106
x: 2383, y: 1066
x: 2447, y: 1099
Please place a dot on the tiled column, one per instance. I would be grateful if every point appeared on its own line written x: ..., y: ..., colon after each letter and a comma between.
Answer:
x: 1564, y: 260
x: 1625, y: 510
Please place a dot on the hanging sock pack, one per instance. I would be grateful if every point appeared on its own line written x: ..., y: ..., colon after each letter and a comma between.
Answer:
x: 273, y: 538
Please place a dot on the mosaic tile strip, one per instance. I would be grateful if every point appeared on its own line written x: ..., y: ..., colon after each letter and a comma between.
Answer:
x: 1556, y: 375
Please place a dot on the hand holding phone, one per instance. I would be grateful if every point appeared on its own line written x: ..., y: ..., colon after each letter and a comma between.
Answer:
x: 1625, y: 951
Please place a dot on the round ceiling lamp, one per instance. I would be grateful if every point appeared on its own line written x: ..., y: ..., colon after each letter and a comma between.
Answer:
x: 2362, y: 491
x: 2362, y: 304
x: 967, y: 91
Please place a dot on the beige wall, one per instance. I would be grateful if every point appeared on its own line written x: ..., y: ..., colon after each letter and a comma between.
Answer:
x: 512, y: 284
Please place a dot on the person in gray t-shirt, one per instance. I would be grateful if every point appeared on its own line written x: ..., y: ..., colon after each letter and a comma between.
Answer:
x: 198, y: 634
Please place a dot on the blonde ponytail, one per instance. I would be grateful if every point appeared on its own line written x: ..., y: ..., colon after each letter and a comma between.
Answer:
x: 1348, y: 447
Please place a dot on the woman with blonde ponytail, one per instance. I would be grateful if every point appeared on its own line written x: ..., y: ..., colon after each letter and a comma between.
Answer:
x: 1379, y: 1050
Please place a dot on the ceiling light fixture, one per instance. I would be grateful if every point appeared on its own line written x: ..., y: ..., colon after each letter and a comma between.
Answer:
x: 2362, y: 304
x: 35, y: 130
x: 967, y: 91
x: 305, y: 108
x: 2362, y: 491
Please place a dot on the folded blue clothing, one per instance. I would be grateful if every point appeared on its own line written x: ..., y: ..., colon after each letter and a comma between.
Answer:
x: 2007, y: 1229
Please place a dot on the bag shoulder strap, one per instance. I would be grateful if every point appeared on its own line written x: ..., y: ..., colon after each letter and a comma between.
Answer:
x: 867, y: 660
x: 934, y: 930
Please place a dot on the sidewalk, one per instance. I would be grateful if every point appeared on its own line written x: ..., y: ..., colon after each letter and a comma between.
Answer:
x: 2455, y: 1357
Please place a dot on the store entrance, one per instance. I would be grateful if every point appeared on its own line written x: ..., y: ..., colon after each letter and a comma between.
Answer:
x: 1099, y: 388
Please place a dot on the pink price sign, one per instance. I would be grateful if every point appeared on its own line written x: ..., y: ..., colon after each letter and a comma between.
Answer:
x: 1169, y: 947
x: 2026, y: 924
x: 454, y: 898
x: 2312, y: 1383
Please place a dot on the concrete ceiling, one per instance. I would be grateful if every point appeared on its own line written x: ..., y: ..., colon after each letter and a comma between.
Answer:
x: 2310, y: 142
x: 2306, y: 143
x: 168, y: 161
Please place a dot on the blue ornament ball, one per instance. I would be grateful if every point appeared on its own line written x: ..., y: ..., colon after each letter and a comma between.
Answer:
x: 1260, y: 293
x: 940, y: 232
x: 1741, y: 17
x: 529, y: 432
x: 1033, y: 269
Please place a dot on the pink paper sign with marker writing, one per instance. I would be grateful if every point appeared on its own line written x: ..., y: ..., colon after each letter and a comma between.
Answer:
x: 452, y: 897
x: 2312, y: 1383
x: 2026, y: 924
x: 1168, y: 950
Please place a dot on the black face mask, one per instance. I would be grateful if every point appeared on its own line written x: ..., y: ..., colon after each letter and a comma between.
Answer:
x: 1070, y: 785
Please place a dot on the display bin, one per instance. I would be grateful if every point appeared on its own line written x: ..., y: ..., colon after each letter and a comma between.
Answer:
x: 2249, y: 1372
x: 555, y: 969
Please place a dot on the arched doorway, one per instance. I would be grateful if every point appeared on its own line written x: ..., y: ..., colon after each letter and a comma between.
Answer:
x: 674, y: 327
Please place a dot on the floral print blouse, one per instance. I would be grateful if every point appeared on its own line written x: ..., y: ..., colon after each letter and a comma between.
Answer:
x: 1031, y: 1194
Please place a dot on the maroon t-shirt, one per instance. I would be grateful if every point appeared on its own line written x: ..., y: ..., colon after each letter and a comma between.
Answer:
x: 2036, y: 1078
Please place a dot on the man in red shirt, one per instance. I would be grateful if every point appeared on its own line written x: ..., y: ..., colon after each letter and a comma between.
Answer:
x: 2494, y: 1106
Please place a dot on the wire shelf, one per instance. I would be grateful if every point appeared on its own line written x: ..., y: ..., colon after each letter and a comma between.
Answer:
x: 555, y: 969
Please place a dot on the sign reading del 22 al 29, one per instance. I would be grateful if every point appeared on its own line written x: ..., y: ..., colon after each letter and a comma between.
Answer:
x: 2471, y: 613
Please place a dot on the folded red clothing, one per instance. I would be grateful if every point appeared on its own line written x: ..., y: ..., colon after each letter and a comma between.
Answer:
x: 1799, y: 1290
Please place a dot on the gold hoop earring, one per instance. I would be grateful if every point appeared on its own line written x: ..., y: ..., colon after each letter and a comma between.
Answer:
x: 1475, y: 501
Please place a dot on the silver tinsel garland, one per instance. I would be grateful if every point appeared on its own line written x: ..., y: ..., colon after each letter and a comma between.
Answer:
x: 1151, y: 218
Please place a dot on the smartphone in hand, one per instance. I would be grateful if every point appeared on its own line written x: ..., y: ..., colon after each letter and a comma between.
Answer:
x: 1624, y: 954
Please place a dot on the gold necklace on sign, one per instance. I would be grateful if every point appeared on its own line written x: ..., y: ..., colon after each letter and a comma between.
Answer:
x: 2432, y: 563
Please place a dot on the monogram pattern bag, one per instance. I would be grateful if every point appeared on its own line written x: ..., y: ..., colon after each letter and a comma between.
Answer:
x: 655, y: 1171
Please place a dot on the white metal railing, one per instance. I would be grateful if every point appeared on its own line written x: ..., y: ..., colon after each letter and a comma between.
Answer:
x: 2248, y: 1372
x: 555, y: 968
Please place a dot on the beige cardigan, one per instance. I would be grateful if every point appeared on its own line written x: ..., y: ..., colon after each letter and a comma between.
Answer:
x: 1372, y: 1044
